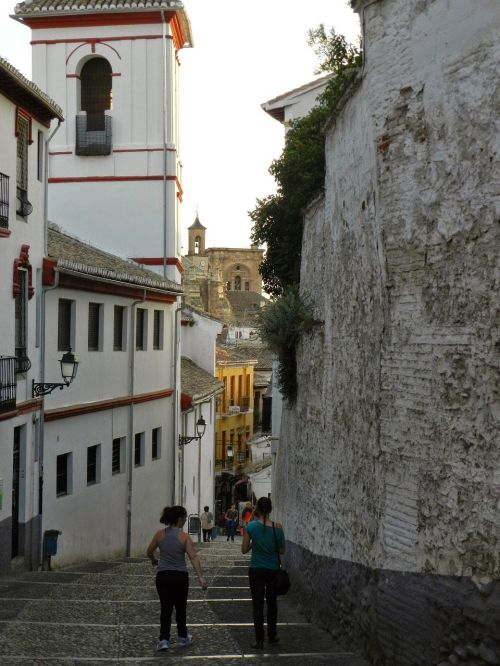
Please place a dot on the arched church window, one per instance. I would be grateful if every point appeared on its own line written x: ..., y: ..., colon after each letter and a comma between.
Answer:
x: 237, y: 283
x: 197, y: 245
x: 96, y: 91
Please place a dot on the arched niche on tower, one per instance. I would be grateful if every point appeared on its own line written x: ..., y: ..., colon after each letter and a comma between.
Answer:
x: 238, y: 277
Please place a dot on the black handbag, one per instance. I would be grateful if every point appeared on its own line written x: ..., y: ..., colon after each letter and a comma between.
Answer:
x: 282, y: 578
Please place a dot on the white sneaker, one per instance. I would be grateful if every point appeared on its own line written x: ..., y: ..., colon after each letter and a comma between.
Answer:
x: 184, y: 642
x: 162, y: 646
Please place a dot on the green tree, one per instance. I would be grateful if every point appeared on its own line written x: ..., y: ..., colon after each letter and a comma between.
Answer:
x: 299, y: 173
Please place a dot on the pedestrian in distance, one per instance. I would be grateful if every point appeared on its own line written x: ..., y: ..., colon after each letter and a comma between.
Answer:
x: 231, y: 517
x: 172, y: 580
x: 265, y: 539
x: 207, y: 523
x: 246, y: 514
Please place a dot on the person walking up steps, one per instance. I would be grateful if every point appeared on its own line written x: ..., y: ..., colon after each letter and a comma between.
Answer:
x: 231, y: 521
x: 259, y: 538
x: 172, y: 580
x: 207, y: 523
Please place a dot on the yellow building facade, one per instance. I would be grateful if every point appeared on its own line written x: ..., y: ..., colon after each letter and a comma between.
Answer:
x: 234, y: 420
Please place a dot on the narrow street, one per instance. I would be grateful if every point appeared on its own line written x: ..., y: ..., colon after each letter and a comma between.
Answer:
x: 108, y: 612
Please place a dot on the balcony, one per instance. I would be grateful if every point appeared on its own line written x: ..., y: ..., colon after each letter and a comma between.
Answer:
x: 7, y: 383
x: 23, y: 364
x: 93, y: 134
x: 24, y: 207
x: 4, y: 201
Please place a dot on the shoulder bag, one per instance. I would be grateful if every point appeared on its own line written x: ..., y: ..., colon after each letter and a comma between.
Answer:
x: 282, y: 577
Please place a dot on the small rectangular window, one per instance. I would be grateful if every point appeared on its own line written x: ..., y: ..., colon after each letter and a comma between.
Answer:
x: 139, y: 449
x: 156, y: 443
x: 140, y: 329
x: 93, y: 464
x: 158, y: 330
x: 119, y: 329
x: 118, y: 456
x: 95, y: 326
x: 63, y: 474
x: 65, y: 324
x: 39, y: 165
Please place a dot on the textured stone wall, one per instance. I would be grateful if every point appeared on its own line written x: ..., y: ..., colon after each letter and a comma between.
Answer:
x: 388, y: 466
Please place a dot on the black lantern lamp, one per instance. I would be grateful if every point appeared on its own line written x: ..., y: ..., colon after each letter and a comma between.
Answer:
x: 69, y: 367
x: 229, y: 452
x: 200, y: 431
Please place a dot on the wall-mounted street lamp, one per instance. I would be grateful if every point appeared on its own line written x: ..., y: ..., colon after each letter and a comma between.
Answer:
x: 69, y: 367
x: 229, y: 453
x: 200, y: 431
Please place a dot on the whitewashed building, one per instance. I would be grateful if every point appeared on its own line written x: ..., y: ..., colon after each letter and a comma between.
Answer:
x: 199, y: 386
x: 25, y: 116
x: 113, y: 68
x: 109, y: 453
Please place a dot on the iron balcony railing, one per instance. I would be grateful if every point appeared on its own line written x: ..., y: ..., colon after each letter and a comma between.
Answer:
x: 23, y: 364
x: 8, y: 383
x: 4, y: 201
x: 93, y: 134
x: 24, y: 207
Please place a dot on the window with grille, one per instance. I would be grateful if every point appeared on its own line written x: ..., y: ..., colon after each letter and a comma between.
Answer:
x: 24, y: 207
x: 93, y: 126
x: 4, y: 200
x: 158, y: 329
x: 64, y: 325
x: 119, y: 329
x: 140, y: 329
x: 155, y: 443
x: 94, y: 339
x: 117, y: 455
x: 93, y: 464
x: 63, y: 474
x: 21, y: 320
x: 139, y: 449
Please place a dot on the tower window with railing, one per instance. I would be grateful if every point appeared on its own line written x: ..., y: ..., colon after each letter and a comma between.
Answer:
x: 93, y: 126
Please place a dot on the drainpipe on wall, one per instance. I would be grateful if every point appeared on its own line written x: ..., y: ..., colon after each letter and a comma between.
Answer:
x: 164, y: 52
x: 177, y: 399
x: 40, y: 330
x: 130, y: 456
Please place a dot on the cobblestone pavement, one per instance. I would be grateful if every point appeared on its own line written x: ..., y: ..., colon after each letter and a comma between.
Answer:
x: 108, y: 613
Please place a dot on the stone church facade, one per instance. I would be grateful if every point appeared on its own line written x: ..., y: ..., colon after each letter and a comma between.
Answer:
x: 212, y: 275
x: 387, y: 473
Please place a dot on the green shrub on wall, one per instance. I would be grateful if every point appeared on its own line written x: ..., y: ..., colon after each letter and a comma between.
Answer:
x: 281, y: 325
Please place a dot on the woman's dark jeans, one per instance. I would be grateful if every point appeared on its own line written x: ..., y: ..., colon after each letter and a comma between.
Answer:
x: 263, y: 585
x: 231, y: 527
x: 172, y: 587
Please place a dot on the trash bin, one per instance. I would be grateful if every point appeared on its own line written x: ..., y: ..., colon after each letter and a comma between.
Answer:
x: 49, y: 547
x: 194, y: 524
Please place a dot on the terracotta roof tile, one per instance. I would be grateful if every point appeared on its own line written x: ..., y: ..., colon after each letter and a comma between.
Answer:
x: 198, y: 383
x: 72, y: 254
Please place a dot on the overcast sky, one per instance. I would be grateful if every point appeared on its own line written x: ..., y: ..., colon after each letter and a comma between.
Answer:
x: 244, y: 54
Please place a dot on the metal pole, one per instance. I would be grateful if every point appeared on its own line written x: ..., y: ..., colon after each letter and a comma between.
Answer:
x: 199, y: 488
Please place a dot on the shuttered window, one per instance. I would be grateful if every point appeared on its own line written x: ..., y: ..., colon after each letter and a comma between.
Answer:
x: 139, y: 449
x: 63, y: 474
x: 94, y: 326
x: 117, y: 455
x: 157, y: 329
x: 21, y: 314
x: 119, y: 329
x: 64, y: 324
x: 140, y: 329
x: 155, y: 443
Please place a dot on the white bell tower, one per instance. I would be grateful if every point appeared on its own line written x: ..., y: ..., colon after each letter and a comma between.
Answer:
x: 114, y: 174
